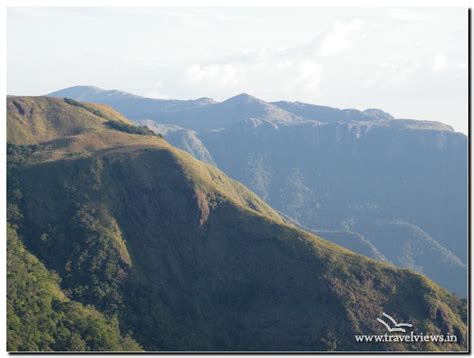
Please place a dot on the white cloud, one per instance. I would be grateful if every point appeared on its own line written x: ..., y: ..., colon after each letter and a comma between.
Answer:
x: 267, y: 77
x: 440, y: 62
x: 351, y: 57
x: 156, y: 91
x: 310, y: 75
x: 407, y: 14
x: 341, y: 37
x: 389, y: 74
x: 223, y: 74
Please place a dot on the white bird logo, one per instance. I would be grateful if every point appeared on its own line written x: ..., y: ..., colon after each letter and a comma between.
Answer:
x: 397, y: 327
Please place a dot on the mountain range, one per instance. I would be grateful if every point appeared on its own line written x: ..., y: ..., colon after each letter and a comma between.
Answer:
x: 391, y: 189
x: 118, y: 241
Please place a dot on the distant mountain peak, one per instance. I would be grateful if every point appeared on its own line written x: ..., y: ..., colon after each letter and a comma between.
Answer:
x: 83, y: 92
x: 207, y: 100
x: 80, y: 89
x: 85, y: 87
x: 378, y: 113
x: 327, y: 114
x: 244, y: 98
x: 289, y: 102
x: 97, y: 94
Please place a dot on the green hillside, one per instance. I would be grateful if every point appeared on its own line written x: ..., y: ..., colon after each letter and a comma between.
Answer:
x: 183, y: 257
x: 42, y: 318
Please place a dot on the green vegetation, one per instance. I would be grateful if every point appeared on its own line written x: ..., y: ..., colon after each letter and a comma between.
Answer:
x: 17, y: 154
x: 93, y: 110
x: 42, y: 318
x: 128, y: 128
x: 181, y: 257
x: 92, y: 270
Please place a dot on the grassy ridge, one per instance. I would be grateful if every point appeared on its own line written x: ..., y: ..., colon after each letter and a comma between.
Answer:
x: 188, y: 259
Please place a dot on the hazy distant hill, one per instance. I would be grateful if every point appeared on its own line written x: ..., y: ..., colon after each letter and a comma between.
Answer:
x: 182, y: 257
x: 338, y: 170
x: 329, y: 114
x: 128, y: 104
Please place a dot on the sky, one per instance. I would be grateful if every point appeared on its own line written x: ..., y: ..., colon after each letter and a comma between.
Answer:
x: 410, y: 62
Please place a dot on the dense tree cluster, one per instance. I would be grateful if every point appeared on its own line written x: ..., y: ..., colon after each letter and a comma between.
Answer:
x: 41, y: 318
x: 127, y: 128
